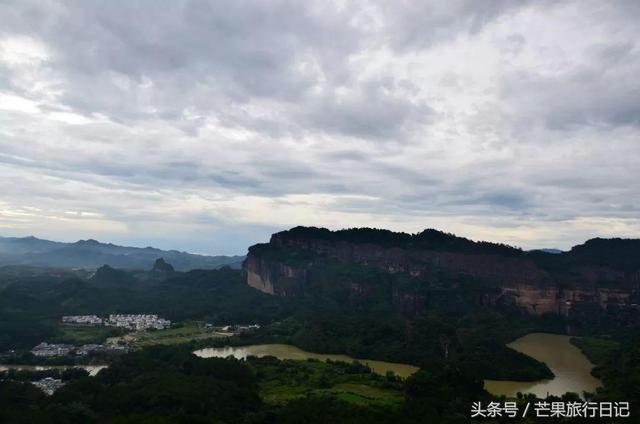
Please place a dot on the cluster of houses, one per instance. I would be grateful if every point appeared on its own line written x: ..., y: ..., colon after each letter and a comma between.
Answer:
x: 46, y: 349
x: 82, y: 320
x: 136, y: 322
x: 48, y: 385
x: 51, y: 350
x: 233, y: 329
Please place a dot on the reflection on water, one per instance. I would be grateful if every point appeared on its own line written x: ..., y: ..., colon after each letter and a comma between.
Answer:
x: 92, y: 369
x: 571, y: 368
x: 283, y: 351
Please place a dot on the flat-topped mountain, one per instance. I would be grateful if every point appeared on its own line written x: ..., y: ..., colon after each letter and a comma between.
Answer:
x: 605, y: 272
x: 93, y: 254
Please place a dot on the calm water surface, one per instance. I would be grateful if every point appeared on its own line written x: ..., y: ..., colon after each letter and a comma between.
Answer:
x: 92, y: 369
x: 571, y: 368
x: 283, y: 351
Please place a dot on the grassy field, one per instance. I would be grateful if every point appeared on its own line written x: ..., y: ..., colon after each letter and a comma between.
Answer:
x: 77, y: 335
x: 365, y: 394
x: 172, y: 336
x: 289, y: 380
x: 597, y: 349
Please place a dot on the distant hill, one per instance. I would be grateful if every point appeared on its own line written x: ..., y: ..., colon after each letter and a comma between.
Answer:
x: 93, y: 254
x: 552, y: 251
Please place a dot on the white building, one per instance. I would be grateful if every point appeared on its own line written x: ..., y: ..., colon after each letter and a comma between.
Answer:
x: 48, y: 385
x: 82, y: 320
x: 138, y: 322
x: 45, y: 349
x: 88, y: 348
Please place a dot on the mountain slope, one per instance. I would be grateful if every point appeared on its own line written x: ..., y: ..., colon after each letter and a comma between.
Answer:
x: 601, y: 272
x: 93, y: 254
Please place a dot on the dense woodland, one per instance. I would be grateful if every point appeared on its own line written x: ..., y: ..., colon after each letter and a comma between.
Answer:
x: 30, y: 309
x: 617, y: 253
x: 458, y: 341
x: 330, y: 321
x: 170, y: 385
x: 429, y: 239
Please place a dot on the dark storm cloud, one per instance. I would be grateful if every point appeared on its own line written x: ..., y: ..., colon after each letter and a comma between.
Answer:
x: 213, y: 57
x: 208, y: 56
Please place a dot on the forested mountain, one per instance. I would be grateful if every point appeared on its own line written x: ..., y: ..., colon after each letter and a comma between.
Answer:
x: 600, y: 271
x: 433, y: 300
x: 31, y: 305
x: 93, y: 254
x: 412, y: 297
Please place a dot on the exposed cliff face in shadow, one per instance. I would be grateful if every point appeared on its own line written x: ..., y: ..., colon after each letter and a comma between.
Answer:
x: 501, y: 275
x: 274, y: 277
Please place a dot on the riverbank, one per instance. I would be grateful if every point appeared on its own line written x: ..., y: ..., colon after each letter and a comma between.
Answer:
x: 283, y: 351
x: 571, y: 368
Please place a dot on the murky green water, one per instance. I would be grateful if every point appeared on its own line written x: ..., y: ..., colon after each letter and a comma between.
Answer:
x: 571, y: 368
x: 92, y: 369
x: 283, y: 351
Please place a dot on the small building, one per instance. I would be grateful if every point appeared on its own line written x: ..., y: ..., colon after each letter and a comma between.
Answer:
x: 48, y: 385
x: 89, y: 320
x: 138, y: 322
x: 234, y: 329
x: 46, y: 350
x: 88, y: 348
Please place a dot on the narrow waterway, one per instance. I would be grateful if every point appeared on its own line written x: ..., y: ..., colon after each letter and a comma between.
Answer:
x: 571, y: 368
x: 283, y: 351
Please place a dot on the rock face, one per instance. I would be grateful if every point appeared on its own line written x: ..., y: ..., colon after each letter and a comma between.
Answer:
x: 162, y: 267
x: 106, y: 275
x: 273, y: 277
x: 536, y: 283
x: 420, y: 263
x: 536, y: 300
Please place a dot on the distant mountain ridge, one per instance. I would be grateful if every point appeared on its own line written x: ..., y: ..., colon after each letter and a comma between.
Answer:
x: 548, y: 250
x: 93, y: 254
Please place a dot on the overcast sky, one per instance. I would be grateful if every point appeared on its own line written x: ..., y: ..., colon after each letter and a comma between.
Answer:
x: 206, y: 126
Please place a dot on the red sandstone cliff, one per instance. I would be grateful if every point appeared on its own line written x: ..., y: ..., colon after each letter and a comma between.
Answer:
x: 518, y: 280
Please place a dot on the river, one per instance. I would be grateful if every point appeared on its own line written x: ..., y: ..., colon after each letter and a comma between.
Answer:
x: 571, y: 368
x: 283, y: 351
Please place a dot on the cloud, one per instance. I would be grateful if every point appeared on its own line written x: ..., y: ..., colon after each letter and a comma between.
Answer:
x: 213, y: 123
x: 410, y: 25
